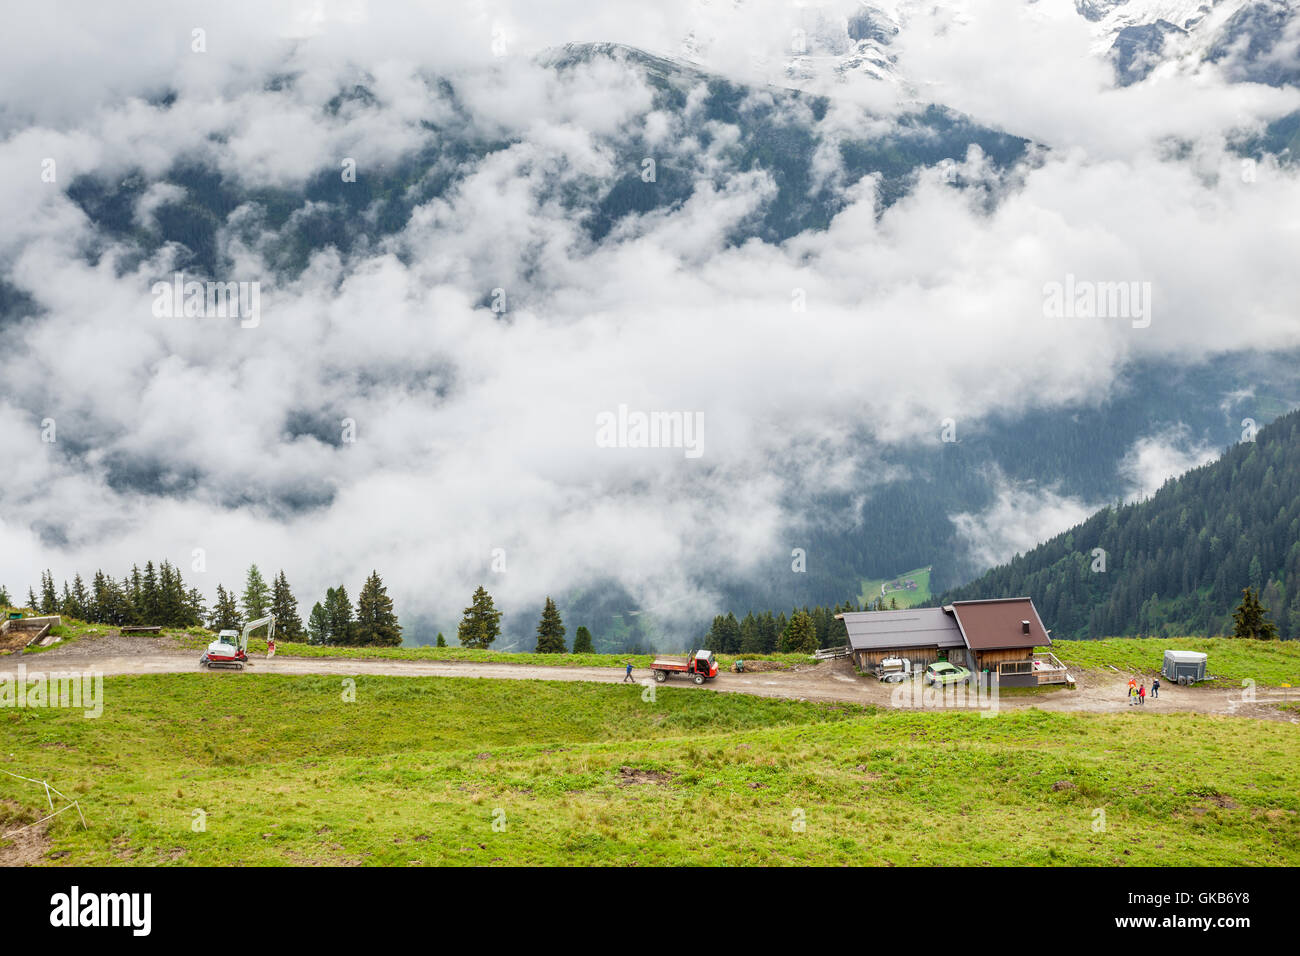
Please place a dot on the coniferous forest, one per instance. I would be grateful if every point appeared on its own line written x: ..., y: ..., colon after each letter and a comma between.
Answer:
x: 1177, y: 562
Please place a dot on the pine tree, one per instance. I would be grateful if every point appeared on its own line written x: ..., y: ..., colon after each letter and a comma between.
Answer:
x: 1251, y: 618
x: 730, y: 635
x: 582, y: 640
x: 550, y: 630
x: 338, y: 609
x: 5, y: 599
x: 442, y: 641
x: 196, y: 608
x: 481, y: 623
x: 32, y: 603
x: 257, y: 596
x: 376, y: 622
x: 714, y: 640
x: 225, y: 613
x: 149, y: 606
x: 135, y: 595
x: 285, y: 608
x: 49, y: 597
x: 800, y: 635
x: 318, y: 625
x: 173, y: 604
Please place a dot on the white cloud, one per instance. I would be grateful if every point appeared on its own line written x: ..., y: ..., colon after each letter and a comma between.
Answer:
x: 1155, y: 459
x: 1022, y: 516
x: 476, y: 431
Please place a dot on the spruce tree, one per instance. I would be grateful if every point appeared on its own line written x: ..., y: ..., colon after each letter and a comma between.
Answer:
x: 376, y: 622
x: 49, y: 597
x: 257, y: 596
x: 582, y: 640
x: 730, y: 634
x: 338, y: 609
x: 481, y: 623
x: 800, y: 635
x: 318, y: 625
x: 149, y: 595
x: 550, y: 630
x: 442, y: 641
x: 285, y: 608
x: 1251, y: 618
x: 225, y: 613
x: 173, y: 600
x: 196, y: 608
x: 5, y: 599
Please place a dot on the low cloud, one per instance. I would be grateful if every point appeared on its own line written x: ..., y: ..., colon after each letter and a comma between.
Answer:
x: 1155, y: 459
x: 475, y: 428
x: 1022, y: 516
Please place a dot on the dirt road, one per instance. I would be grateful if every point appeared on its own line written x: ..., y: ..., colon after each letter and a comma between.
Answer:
x: 1095, y: 692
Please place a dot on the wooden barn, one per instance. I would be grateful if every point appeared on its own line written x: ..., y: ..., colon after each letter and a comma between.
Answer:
x: 999, y: 636
x: 923, y: 635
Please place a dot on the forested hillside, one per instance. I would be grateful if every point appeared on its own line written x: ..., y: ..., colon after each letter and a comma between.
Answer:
x: 1177, y: 562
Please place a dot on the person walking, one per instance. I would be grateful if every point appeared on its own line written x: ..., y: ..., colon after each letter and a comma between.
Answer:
x: 1155, y: 687
x: 1132, y: 690
x: 1142, y: 693
x: 627, y: 676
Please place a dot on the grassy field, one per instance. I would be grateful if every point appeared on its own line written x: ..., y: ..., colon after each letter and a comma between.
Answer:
x: 1230, y: 661
x: 871, y: 589
x: 464, y: 771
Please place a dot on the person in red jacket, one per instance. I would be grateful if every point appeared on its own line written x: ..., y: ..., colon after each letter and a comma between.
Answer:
x: 1142, y: 692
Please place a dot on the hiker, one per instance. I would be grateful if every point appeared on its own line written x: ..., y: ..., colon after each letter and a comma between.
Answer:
x: 1132, y: 690
x: 1155, y: 687
x: 1142, y: 693
x: 628, y: 675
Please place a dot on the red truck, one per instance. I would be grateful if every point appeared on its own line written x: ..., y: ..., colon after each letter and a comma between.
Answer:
x: 701, y: 666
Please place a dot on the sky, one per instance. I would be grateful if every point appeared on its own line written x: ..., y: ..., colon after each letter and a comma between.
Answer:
x: 472, y: 436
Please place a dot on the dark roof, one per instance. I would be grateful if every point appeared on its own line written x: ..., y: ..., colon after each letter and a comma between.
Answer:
x: 989, y: 625
x: 914, y: 627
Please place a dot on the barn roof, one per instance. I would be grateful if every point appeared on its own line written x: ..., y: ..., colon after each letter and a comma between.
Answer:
x: 999, y: 623
x: 914, y: 627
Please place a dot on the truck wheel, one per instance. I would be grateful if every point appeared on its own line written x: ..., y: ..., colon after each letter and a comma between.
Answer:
x: 699, y: 678
x: 661, y: 676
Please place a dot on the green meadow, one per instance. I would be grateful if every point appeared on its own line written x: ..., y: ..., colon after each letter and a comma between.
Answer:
x: 204, y: 769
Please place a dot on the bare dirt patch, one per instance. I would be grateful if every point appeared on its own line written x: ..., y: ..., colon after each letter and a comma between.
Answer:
x: 632, y: 776
x: 110, y: 643
x: 29, y: 845
x: 759, y: 667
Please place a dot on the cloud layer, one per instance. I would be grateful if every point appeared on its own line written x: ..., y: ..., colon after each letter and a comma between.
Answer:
x: 474, y: 428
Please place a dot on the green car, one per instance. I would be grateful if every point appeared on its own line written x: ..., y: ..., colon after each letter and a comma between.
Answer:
x: 945, y: 673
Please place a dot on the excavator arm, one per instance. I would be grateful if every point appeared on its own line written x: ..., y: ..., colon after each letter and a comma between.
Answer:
x: 251, y: 626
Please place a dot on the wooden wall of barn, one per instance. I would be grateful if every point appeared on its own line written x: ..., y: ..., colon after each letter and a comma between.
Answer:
x: 991, y: 658
x: 867, y: 660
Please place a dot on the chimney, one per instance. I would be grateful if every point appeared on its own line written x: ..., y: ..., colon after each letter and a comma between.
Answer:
x: 1024, y: 627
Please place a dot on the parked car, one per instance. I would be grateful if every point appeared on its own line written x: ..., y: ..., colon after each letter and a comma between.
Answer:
x: 941, y: 672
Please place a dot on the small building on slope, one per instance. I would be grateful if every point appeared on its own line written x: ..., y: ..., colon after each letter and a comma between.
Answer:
x: 999, y: 636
